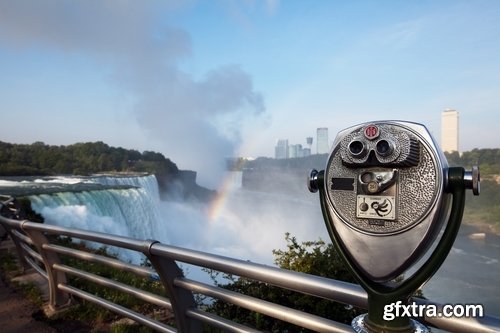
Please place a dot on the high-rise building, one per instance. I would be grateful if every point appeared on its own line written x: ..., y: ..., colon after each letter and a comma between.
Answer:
x: 281, y: 149
x: 294, y: 151
x: 322, y: 146
x: 309, y: 141
x: 449, y: 130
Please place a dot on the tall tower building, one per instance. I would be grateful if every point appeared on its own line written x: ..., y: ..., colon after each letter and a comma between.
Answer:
x: 281, y: 149
x: 295, y: 151
x: 322, y: 146
x: 449, y: 130
x: 309, y: 141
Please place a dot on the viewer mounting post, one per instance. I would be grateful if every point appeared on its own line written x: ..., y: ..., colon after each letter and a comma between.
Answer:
x: 385, y: 195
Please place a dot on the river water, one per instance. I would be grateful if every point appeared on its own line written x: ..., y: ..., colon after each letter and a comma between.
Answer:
x: 470, y: 274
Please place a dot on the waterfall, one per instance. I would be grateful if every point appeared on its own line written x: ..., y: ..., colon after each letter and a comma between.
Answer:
x: 148, y: 183
x: 248, y: 224
x: 129, y: 212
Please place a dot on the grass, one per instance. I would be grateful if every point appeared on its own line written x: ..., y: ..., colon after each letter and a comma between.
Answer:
x: 32, y: 292
x: 97, y: 316
x: 86, y: 316
x: 8, y: 264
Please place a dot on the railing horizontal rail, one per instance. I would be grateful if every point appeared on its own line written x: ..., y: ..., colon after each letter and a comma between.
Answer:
x: 33, y: 259
x: 339, y: 291
x: 93, y: 236
x: 6, y: 200
x: 110, y: 262
x: 219, y: 322
x: 37, y: 268
x: 485, y: 324
x: 280, y: 312
x: 32, y: 253
x: 22, y: 237
x: 156, y: 325
x: 139, y: 293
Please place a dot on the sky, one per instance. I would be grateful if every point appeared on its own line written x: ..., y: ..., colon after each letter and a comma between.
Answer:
x: 203, y: 80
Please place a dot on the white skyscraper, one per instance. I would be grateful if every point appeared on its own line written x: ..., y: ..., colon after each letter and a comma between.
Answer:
x: 322, y: 146
x: 295, y: 151
x: 281, y: 149
x: 449, y: 130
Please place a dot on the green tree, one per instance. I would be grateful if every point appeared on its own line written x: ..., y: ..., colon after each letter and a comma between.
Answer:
x: 80, y: 158
x: 488, y: 160
x: 312, y: 257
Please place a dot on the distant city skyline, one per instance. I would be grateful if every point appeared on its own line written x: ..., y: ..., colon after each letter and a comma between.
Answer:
x: 285, y: 150
x: 449, y: 139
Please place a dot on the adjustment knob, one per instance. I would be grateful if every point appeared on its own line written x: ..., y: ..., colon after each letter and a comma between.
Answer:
x: 312, y: 181
x: 472, y: 180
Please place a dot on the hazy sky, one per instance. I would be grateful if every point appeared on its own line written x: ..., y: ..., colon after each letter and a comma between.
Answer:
x: 203, y: 80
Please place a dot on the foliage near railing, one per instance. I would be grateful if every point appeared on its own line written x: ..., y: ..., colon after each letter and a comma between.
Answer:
x: 94, y: 314
x: 311, y: 257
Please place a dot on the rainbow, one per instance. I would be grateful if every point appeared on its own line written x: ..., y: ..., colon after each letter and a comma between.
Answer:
x: 223, y: 191
x: 220, y: 199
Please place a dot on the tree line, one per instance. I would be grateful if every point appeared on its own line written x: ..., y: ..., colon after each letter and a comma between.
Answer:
x: 90, y: 157
x: 78, y: 159
x: 488, y: 160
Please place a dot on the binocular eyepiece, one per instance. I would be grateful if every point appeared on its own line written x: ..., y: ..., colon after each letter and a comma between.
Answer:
x: 383, y: 148
x: 379, y: 146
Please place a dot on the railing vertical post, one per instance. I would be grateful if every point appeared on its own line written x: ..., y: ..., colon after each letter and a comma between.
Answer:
x: 2, y: 232
x: 181, y: 299
x: 57, y: 298
x: 22, y: 260
x: 7, y: 212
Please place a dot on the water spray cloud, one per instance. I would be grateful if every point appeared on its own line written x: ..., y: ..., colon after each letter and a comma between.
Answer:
x: 196, y: 122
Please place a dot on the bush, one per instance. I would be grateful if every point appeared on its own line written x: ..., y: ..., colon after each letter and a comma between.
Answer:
x: 312, y: 257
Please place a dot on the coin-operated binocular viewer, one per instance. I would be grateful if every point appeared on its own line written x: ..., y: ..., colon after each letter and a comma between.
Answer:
x: 385, y: 195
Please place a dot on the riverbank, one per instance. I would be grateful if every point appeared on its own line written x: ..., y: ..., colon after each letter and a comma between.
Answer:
x: 480, y: 227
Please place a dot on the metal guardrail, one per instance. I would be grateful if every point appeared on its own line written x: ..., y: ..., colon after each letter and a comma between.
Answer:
x: 37, y: 250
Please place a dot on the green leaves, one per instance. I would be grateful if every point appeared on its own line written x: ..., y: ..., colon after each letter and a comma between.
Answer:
x: 79, y: 158
x: 313, y: 257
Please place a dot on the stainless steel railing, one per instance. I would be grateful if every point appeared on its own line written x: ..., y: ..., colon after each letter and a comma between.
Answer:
x: 36, y: 249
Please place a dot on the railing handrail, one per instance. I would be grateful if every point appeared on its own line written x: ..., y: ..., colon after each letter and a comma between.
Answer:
x: 35, y: 250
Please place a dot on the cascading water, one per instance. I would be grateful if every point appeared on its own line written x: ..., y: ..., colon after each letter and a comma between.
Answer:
x: 148, y: 183
x: 131, y: 212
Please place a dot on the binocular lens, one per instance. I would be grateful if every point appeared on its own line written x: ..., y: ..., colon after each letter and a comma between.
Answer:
x: 384, y: 148
x: 357, y: 148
